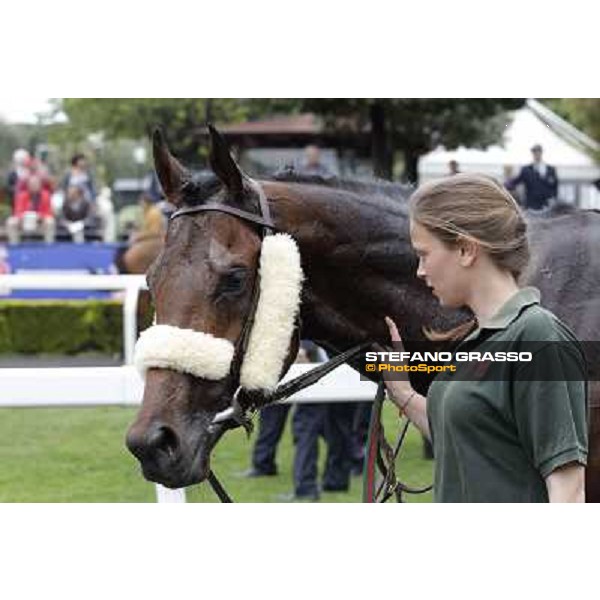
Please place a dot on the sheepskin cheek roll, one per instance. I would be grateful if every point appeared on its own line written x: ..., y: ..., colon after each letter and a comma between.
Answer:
x: 203, y: 355
x: 279, y: 301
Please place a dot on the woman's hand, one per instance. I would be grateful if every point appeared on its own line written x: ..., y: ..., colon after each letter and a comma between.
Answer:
x: 401, y: 393
x: 399, y: 387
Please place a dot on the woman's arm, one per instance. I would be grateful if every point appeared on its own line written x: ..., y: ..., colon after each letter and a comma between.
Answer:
x: 401, y: 393
x: 413, y: 405
x: 567, y: 483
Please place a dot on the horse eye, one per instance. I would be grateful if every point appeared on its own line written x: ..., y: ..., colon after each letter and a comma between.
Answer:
x: 233, y: 281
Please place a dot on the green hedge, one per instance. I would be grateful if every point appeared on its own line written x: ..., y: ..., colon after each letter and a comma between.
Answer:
x: 62, y: 326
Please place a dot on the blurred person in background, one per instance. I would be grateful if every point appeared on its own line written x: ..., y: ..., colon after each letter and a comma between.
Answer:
x: 153, y: 220
x: 79, y: 175
x: 146, y: 242
x: 312, y: 164
x: 75, y: 209
x: 333, y: 421
x: 32, y: 213
x: 40, y: 167
x: 453, y: 167
x: 539, y: 181
x: 18, y: 174
x: 106, y: 210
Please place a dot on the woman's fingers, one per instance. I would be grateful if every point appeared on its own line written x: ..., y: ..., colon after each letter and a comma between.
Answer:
x: 394, y: 333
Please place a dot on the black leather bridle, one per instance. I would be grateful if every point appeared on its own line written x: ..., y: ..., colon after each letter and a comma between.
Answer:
x: 266, y: 228
x: 236, y: 415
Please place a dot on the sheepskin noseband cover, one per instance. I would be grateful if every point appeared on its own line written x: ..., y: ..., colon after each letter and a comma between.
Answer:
x: 203, y: 355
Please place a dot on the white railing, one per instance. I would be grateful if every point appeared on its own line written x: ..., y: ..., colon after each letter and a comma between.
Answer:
x: 72, y: 387
x: 122, y: 386
x: 130, y: 284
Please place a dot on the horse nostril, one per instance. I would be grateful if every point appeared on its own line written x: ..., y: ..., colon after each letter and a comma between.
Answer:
x: 146, y: 443
x: 163, y: 438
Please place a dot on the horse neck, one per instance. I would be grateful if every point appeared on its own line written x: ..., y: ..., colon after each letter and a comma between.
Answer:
x: 358, y: 264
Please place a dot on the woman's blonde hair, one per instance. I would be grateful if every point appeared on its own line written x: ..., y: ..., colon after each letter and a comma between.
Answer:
x: 474, y: 207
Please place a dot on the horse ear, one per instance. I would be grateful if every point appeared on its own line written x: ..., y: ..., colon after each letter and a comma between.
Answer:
x: 222, y: 163
x: 171, y: 173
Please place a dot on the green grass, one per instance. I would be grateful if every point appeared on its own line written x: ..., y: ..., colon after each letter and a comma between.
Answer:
x: 78, y: 455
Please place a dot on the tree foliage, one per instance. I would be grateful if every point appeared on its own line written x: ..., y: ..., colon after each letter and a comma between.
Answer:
x: 182, y: 119
x: 412, y: 126
x: 9, y: 141
x: 584, y: 113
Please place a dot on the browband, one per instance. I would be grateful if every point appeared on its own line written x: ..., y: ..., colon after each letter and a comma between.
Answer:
x: 224, y: 208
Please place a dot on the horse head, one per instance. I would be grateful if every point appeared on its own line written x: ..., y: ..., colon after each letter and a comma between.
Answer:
x: 220, y: 286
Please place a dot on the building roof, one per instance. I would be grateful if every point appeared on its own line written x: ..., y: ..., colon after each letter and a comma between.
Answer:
x: 293, y: 131
x: 308, y: 124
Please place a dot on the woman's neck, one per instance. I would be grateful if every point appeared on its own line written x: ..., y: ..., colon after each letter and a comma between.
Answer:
x: 490, y: 293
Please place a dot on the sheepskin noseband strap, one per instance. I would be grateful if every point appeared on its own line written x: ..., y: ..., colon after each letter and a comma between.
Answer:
x: 183, y: 350
x: 278, y: 304
x: 203, y: 355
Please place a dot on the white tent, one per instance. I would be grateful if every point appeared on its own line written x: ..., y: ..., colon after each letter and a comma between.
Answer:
x: 565, y: 147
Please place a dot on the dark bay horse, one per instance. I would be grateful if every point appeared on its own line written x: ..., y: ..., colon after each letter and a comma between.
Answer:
x: 358, y: 266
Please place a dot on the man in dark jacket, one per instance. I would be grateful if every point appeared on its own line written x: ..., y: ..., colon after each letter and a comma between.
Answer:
x: 539, y: 180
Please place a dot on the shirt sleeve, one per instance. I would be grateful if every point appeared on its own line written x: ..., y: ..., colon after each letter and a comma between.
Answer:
x: 511, y: 184
x: 153, y: 222
x: 550, y: 407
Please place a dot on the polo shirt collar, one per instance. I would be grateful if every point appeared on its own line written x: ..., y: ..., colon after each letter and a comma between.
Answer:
x: 509, y: 311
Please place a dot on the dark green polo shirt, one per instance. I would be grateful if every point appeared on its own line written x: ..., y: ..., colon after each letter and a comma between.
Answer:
x: 496, y: 438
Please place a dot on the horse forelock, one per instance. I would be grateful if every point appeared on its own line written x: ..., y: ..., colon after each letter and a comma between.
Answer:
x: 199, y: 188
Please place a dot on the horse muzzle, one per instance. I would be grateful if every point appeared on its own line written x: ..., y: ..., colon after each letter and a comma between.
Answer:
x: 166, y: 459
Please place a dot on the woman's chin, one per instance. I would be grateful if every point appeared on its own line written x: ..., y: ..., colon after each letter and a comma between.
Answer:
x: 439, y: 298
x: 446, y: 302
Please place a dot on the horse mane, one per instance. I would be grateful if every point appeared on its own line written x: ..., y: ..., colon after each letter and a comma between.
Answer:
x: 202, y: 185
x: 378, y: 187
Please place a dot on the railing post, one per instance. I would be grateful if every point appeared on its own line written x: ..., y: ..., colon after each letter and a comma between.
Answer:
x: 130, y: 305
x: 166, y: 496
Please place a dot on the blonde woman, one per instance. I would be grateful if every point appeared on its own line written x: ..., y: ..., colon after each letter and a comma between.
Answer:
x: 521, y: 437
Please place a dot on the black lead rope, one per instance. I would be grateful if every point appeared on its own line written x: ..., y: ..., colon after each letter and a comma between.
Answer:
x: 380, y: 454
x: 288, y: 389
x: 311, y: 377
x: 219, y: 490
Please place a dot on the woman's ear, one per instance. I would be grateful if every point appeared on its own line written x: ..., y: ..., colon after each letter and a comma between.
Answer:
x: 468, y: 250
